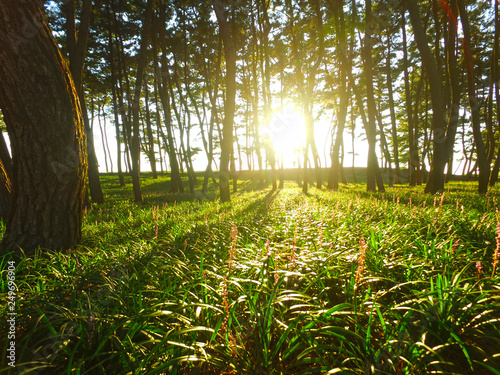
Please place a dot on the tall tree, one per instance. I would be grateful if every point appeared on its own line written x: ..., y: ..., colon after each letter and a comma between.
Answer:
x: 163, y: 82
x: 344, y: 59
x: 482, y: 157
x: 495, y: 88
x: 230, y: 98
x: 77, y: 49
x: 43, y: 116
x: 135, y: 151
x: 374, y: 179
x: 435, y: 182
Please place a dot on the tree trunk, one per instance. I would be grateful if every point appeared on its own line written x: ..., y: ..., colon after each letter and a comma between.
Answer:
x: 496, y: 84
x: 373, y: 173
x: 482, y: 157
x: 163, y: 84
x: 413, y: 150
x: 435, y: 182
x: 135, y: 151
x: 43, y: 116
x: 115, y: 99
x: 394, y: 132
x: 150, y: 136
x: 77, y: 48
x: 230, y: 99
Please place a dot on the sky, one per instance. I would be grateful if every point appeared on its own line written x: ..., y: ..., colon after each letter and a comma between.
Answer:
x: 286, y: 130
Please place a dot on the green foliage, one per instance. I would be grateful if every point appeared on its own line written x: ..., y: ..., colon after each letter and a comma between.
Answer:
x: 274, y: 282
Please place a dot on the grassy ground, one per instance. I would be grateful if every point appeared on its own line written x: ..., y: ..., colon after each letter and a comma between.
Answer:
x: 274, y: 282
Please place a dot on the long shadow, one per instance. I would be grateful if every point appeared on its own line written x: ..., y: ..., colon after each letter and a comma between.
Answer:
x: 202, y: 232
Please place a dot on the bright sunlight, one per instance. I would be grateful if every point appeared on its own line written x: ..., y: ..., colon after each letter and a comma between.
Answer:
x: 286, y: 132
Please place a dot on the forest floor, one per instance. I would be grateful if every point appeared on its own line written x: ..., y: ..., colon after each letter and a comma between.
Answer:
x: 274, y: 282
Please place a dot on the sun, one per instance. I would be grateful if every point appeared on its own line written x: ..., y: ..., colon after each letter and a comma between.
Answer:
x: 286, y: 133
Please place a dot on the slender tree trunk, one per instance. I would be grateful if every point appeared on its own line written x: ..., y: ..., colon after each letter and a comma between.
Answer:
x: 114, y: 97
x: 176, y: 181
x: 496, y: 85
x: 77, y: 48
x: 394, y: 132
x: 102, y: 135
x: 151, y: 139
x: 373, y: 173
x: 230, y: 99
x: 435, y: 182
x: 413, y: 151
x: 482, y: 157
x: 255, y: 102
x: 106, y: 143
x: 47, y: 134
x: 135, y: 151
x: 454, y: 82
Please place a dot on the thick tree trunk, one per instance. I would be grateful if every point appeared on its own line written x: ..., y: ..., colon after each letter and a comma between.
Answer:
x: 43, y: 116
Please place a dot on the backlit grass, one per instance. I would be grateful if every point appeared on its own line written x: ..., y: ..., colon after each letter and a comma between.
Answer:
x: 274, y: 282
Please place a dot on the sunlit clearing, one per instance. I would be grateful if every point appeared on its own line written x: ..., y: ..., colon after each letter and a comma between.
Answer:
x: 286, y: 133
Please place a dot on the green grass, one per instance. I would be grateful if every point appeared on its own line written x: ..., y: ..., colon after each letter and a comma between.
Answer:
x: 274, y: 282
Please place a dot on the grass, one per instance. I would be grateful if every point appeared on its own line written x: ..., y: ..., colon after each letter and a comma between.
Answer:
x: 274, y: 282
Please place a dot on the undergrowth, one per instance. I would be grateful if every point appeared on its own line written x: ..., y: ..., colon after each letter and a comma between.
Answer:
x: 274, y: 282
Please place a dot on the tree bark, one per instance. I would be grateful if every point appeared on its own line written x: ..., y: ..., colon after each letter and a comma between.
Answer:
x: 44, y: 120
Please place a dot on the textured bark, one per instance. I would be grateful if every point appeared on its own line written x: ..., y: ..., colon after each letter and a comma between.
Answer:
x: 44, y: 121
